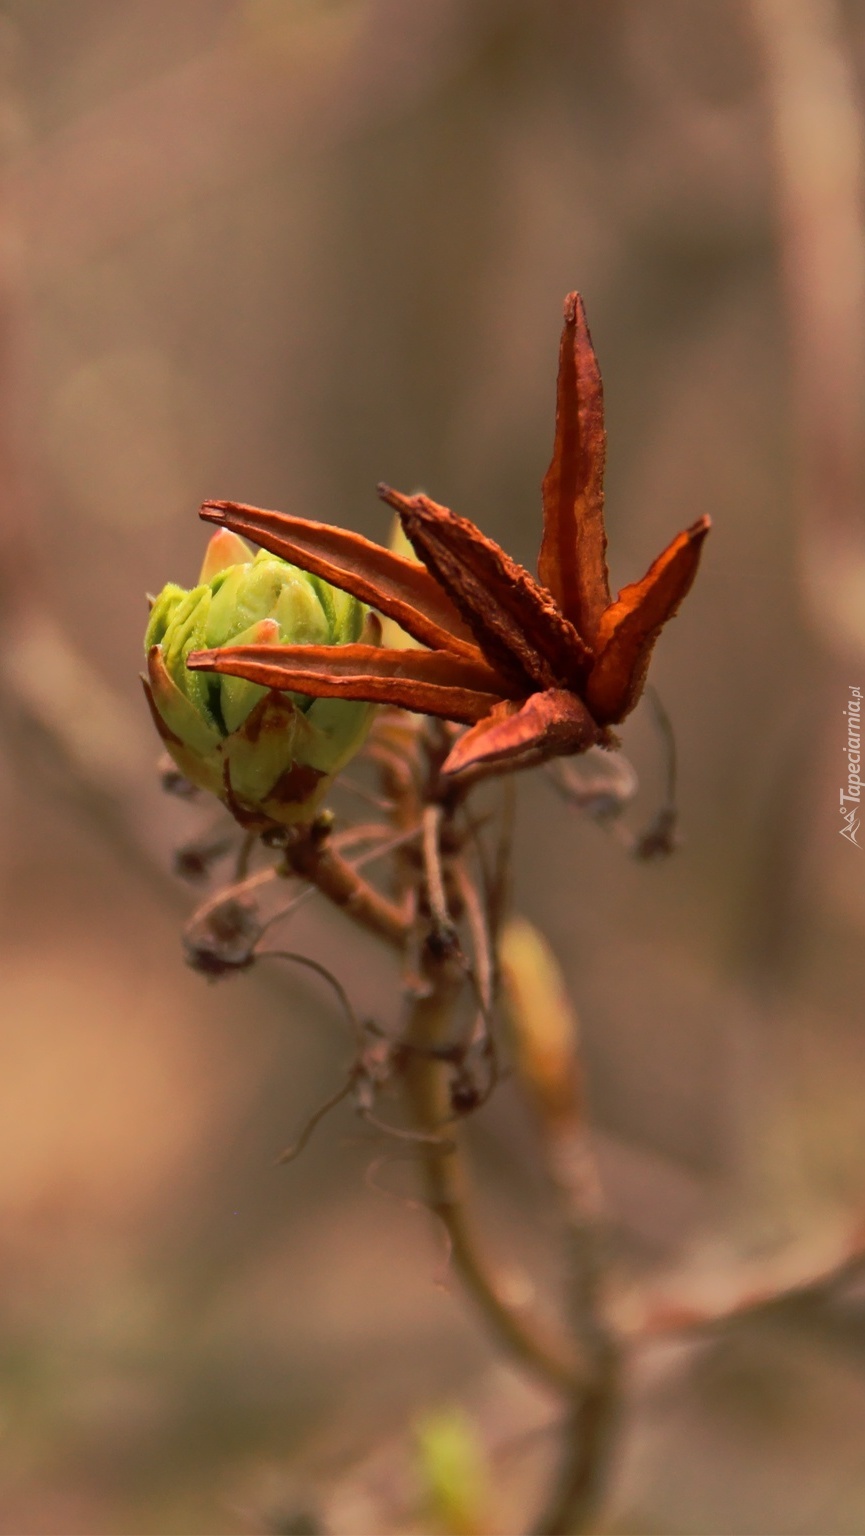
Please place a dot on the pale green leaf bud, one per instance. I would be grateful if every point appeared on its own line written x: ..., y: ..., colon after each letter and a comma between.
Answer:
x: 268, y: 755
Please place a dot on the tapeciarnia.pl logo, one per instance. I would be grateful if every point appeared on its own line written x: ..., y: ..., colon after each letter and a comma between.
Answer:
x: 849, y: 804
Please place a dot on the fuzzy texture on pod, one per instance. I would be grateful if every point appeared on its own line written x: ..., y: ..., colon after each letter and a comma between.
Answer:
x: 269, y: 755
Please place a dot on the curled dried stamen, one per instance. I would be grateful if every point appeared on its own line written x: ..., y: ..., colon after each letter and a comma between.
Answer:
x: 314, y: 1120
x: 320, y: 970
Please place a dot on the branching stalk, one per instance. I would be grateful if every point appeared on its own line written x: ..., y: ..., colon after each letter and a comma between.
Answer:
x: 548, y: 1356
x: 340, y: 883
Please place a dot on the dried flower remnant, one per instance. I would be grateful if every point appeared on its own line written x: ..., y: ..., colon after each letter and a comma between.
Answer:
x: 269, y: 756
x: 536, y: 669
x: 222, y: 938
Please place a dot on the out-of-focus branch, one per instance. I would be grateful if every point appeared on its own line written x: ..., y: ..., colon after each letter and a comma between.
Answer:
x: 62, y: 721
x: 711, y: 1296
x: 817, y: 135
x: 546, y: 1040
x: 197, y: 129
x: 59, y: 719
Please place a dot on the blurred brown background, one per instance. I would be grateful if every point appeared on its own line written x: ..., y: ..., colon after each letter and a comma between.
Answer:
x: 277, y: 250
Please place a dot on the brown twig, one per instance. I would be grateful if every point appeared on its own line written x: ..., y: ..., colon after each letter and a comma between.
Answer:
x: 483, y: 965
x: 427, y: 1086
x: 548, y: 1060
x: 672, y: 1311
x: 365, y: 832
x: 547, y: 1355
x: 434, y: 874
x: 340, y: 882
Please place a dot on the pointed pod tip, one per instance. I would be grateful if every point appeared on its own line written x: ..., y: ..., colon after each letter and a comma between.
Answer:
x: 203, y: 661
x: 700, y: 528
x: 387, y: 494
x: 213, y: 511
x: 574, y: 308
x: 402, y: 505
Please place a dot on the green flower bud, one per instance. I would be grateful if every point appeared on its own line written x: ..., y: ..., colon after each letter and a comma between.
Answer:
x: 269, y: 756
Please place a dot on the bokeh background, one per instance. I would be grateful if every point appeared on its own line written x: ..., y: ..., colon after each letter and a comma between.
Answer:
x: 277, y: 250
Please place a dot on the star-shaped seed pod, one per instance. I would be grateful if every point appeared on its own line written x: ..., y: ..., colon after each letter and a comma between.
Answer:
x: 537, y: 669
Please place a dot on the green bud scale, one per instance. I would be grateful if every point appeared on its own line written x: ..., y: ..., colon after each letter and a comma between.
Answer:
x: 270, y: 756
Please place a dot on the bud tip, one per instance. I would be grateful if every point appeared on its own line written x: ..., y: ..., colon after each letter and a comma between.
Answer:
x: 224, y: 550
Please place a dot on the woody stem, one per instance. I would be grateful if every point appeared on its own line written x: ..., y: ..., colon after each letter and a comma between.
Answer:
x: 593, y: 1410
x: 540, y: 1349
x: 426, y: 1078
x: 424, y: 924
x: 310, y: 856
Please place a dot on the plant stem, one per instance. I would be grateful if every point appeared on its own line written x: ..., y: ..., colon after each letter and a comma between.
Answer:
x: 580, y: 1363
x: 589, y: 1441
x: 547, y: 1355
x: 545, y: 1032
x: 341, y: 884
x: 594, y: 1408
